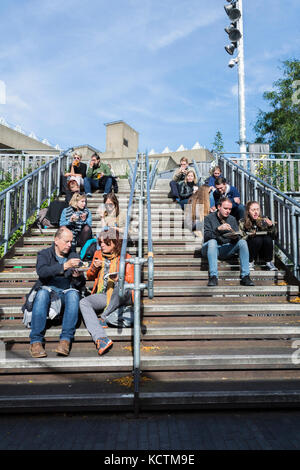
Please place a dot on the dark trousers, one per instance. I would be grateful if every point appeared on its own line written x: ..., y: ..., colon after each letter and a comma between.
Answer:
x: 238, y: 211
x: 174, y: 189
x: 82, y: 237
x: 260, y: 246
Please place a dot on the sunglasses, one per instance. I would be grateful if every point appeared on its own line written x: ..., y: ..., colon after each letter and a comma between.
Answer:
x: 106, y: 242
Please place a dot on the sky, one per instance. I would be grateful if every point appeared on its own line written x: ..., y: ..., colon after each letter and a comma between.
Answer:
x: 71, y: 66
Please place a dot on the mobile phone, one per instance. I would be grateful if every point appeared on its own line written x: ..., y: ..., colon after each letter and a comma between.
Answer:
x: 108, y: 275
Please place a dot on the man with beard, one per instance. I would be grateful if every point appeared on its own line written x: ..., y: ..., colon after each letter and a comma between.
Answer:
x: 98, y: 176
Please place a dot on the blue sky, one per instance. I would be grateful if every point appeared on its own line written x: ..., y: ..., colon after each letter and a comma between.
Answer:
x: 72, y: 66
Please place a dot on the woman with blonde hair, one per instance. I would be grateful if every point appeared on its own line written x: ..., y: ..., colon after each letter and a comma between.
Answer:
x: 197, y: 208
x: 187, y: 187
x: 215, y: 173
x: 78, y: 218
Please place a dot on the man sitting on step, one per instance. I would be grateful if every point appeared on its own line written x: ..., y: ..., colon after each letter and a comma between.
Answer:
x: 58, y: 288
x: 225, y: 189
x: 221, y: 240
x: 98, y: 176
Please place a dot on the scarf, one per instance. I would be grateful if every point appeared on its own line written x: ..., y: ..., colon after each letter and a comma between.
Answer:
x: 107, y: 285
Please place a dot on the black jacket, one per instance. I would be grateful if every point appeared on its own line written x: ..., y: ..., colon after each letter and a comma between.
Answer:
x: 185, y: 190
x: 211, y: 224
x: 48, y: 267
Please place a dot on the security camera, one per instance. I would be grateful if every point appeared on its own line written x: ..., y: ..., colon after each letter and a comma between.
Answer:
x: 232, y: 63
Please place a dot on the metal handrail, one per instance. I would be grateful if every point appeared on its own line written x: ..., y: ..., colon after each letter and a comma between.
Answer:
x: 153, y: 172
x: 150, y: 179
x: 138, y: 187
x: 22, y: 199
x: 282, y: 209
x: 278, y: 169
x: 121, y: 283
x: 130, y: 176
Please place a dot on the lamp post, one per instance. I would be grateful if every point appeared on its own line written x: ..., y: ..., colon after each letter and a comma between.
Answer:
x: 236, y: 35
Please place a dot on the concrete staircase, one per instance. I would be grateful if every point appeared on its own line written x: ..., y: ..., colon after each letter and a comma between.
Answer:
x: 201, y: 347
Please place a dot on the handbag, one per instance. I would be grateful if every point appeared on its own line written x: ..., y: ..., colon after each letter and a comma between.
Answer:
x: 121, y: 317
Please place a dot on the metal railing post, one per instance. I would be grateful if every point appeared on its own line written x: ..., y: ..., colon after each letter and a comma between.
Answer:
x: 136, y: 336
x: 49, y: 182
x: 7, y: 221
x: 150, y: 243
x: 25, y: 206
x: 295, y: 249
x: 138, y: 185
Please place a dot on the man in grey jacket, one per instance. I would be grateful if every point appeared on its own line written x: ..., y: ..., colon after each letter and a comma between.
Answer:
x: 222, y: 241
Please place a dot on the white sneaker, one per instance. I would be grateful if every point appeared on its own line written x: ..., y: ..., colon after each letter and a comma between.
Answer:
x: 271, y: 266
x: 251, y: 265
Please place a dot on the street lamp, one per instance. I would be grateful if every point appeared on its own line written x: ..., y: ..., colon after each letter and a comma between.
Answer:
x: 235, y: 32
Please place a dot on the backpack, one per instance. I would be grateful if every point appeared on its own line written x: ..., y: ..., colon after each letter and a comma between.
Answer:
x: 88, y: 250
x: 42, y: 219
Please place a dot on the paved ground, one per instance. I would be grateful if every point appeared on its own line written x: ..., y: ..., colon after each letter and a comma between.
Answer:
x: 195, y: 431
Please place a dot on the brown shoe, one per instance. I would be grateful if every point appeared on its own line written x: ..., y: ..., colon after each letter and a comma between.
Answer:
x: 63, y: 348
x: 37, y: 350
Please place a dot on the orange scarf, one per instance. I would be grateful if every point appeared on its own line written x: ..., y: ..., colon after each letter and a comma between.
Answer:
x: 110, y: 284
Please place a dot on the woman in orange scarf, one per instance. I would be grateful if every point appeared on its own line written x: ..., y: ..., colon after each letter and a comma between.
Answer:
x: 104, y: 271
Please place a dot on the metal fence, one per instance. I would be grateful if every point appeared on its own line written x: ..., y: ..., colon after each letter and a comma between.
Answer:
x: 282, y: 209
x: 21, y: 200
x: 279, y: 170
x: 141, y: 180
x: 17, y: 165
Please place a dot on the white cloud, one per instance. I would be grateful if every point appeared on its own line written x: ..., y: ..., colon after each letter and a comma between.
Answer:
x: 17, y: 102
x: 182, y: 26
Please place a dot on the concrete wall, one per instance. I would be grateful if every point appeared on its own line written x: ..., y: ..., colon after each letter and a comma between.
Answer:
x: 122, y: 141
x: 10, y: 138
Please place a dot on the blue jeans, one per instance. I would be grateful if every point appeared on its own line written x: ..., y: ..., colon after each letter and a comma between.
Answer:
x: 212, y: 199
x: 212, y: 251
x: 183, y: 202
x: 90, y: 184
x: 70, y: 303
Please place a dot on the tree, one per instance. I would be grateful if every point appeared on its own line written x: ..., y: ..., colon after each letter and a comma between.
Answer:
x: 218, y: 144
x: 280, y: 127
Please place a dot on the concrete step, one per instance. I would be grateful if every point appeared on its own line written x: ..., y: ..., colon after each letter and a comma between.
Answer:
x: 168, y: 332
x: 245, y: 308
x: 191, y: 335
x: 169, y: 290
x: 158, y: 250
x: 167, y: 274
x: 243, y: 356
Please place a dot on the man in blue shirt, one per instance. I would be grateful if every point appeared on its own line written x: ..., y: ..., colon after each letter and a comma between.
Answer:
x: 223, y: 189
